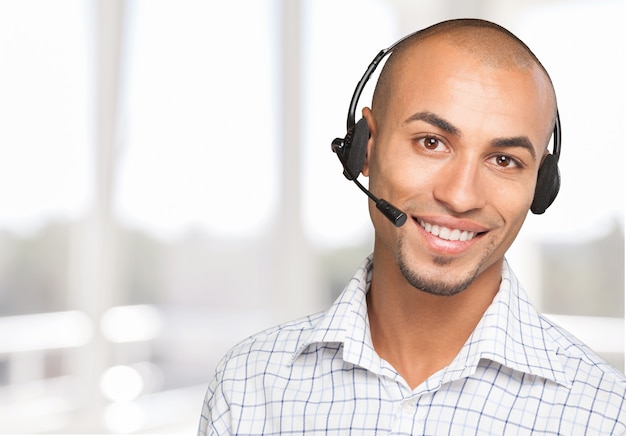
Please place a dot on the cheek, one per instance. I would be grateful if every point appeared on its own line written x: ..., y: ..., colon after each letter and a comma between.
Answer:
x: 398, y: 172
x: 513, y: 203
x: 397, y: 183
x: 516, y: 196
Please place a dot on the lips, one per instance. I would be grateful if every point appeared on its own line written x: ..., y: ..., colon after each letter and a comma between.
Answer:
x: 447, y: 233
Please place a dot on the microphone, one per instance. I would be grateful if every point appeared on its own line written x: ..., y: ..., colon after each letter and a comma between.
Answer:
x: 392, y: 213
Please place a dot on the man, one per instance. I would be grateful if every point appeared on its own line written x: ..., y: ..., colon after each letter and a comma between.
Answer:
x: 434, y: 334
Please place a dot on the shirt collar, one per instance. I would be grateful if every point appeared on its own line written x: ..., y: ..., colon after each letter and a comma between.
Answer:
x: 347, y: 322
x: 510, y: 333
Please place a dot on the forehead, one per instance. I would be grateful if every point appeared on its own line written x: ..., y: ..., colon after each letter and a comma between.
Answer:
x: 463, y: 87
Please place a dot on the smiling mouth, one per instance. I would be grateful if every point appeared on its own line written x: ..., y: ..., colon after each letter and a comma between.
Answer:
x: 447, y: 233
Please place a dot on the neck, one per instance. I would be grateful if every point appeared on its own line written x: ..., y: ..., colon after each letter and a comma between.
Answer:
x: 420, y: 333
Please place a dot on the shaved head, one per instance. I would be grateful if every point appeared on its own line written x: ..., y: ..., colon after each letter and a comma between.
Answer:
x: 490, y: 44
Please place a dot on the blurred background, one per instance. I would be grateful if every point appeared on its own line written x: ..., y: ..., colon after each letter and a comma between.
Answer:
x: 167, y: 188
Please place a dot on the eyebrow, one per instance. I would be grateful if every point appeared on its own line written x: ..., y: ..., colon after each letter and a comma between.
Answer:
x: 434, y: 120
x: 517, y: 141
x: 437, y: 121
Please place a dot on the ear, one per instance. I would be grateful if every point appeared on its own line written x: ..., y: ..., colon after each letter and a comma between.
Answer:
x: 371, y: 124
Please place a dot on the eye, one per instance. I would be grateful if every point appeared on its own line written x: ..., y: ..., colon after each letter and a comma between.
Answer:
x: 504, y: 161
x: 432, y: 143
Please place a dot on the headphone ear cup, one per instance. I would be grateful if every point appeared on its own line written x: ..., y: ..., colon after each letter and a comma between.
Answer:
x: 548, y: 184
x: 356, y: 148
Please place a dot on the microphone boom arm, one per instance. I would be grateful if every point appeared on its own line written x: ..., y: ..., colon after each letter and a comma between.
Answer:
x: 392, y: 213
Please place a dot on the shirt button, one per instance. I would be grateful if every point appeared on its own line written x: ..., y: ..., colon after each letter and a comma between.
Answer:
x: 408, y: 407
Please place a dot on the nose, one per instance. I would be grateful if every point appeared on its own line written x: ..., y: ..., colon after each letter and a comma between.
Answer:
x: 460, y: 186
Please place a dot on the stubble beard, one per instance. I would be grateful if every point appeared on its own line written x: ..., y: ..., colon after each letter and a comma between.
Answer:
x: 433, y: 286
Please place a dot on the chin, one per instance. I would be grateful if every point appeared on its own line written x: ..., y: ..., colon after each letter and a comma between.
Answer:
x: 441, y: 275
x: 434, y: 286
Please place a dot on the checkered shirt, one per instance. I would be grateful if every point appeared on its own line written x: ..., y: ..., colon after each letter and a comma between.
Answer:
x: 518, y: 374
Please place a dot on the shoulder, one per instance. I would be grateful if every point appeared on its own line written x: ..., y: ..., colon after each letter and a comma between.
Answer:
x: 266, y: 351
x: 280, y: 340
x: 246, y: 368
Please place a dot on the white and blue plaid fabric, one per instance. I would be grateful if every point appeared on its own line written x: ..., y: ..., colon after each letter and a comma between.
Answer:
x: 518, y: 374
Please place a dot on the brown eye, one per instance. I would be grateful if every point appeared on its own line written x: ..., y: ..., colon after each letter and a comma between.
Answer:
x: 504, y: 161
x: 431, y: 143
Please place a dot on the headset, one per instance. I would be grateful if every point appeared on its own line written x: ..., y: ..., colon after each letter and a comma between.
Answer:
x: 352, y: 148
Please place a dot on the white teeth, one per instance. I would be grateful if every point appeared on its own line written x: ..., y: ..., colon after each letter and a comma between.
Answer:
x: 446, y: 233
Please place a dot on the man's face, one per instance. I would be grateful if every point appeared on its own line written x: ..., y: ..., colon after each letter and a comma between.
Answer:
x: 458, y: 149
